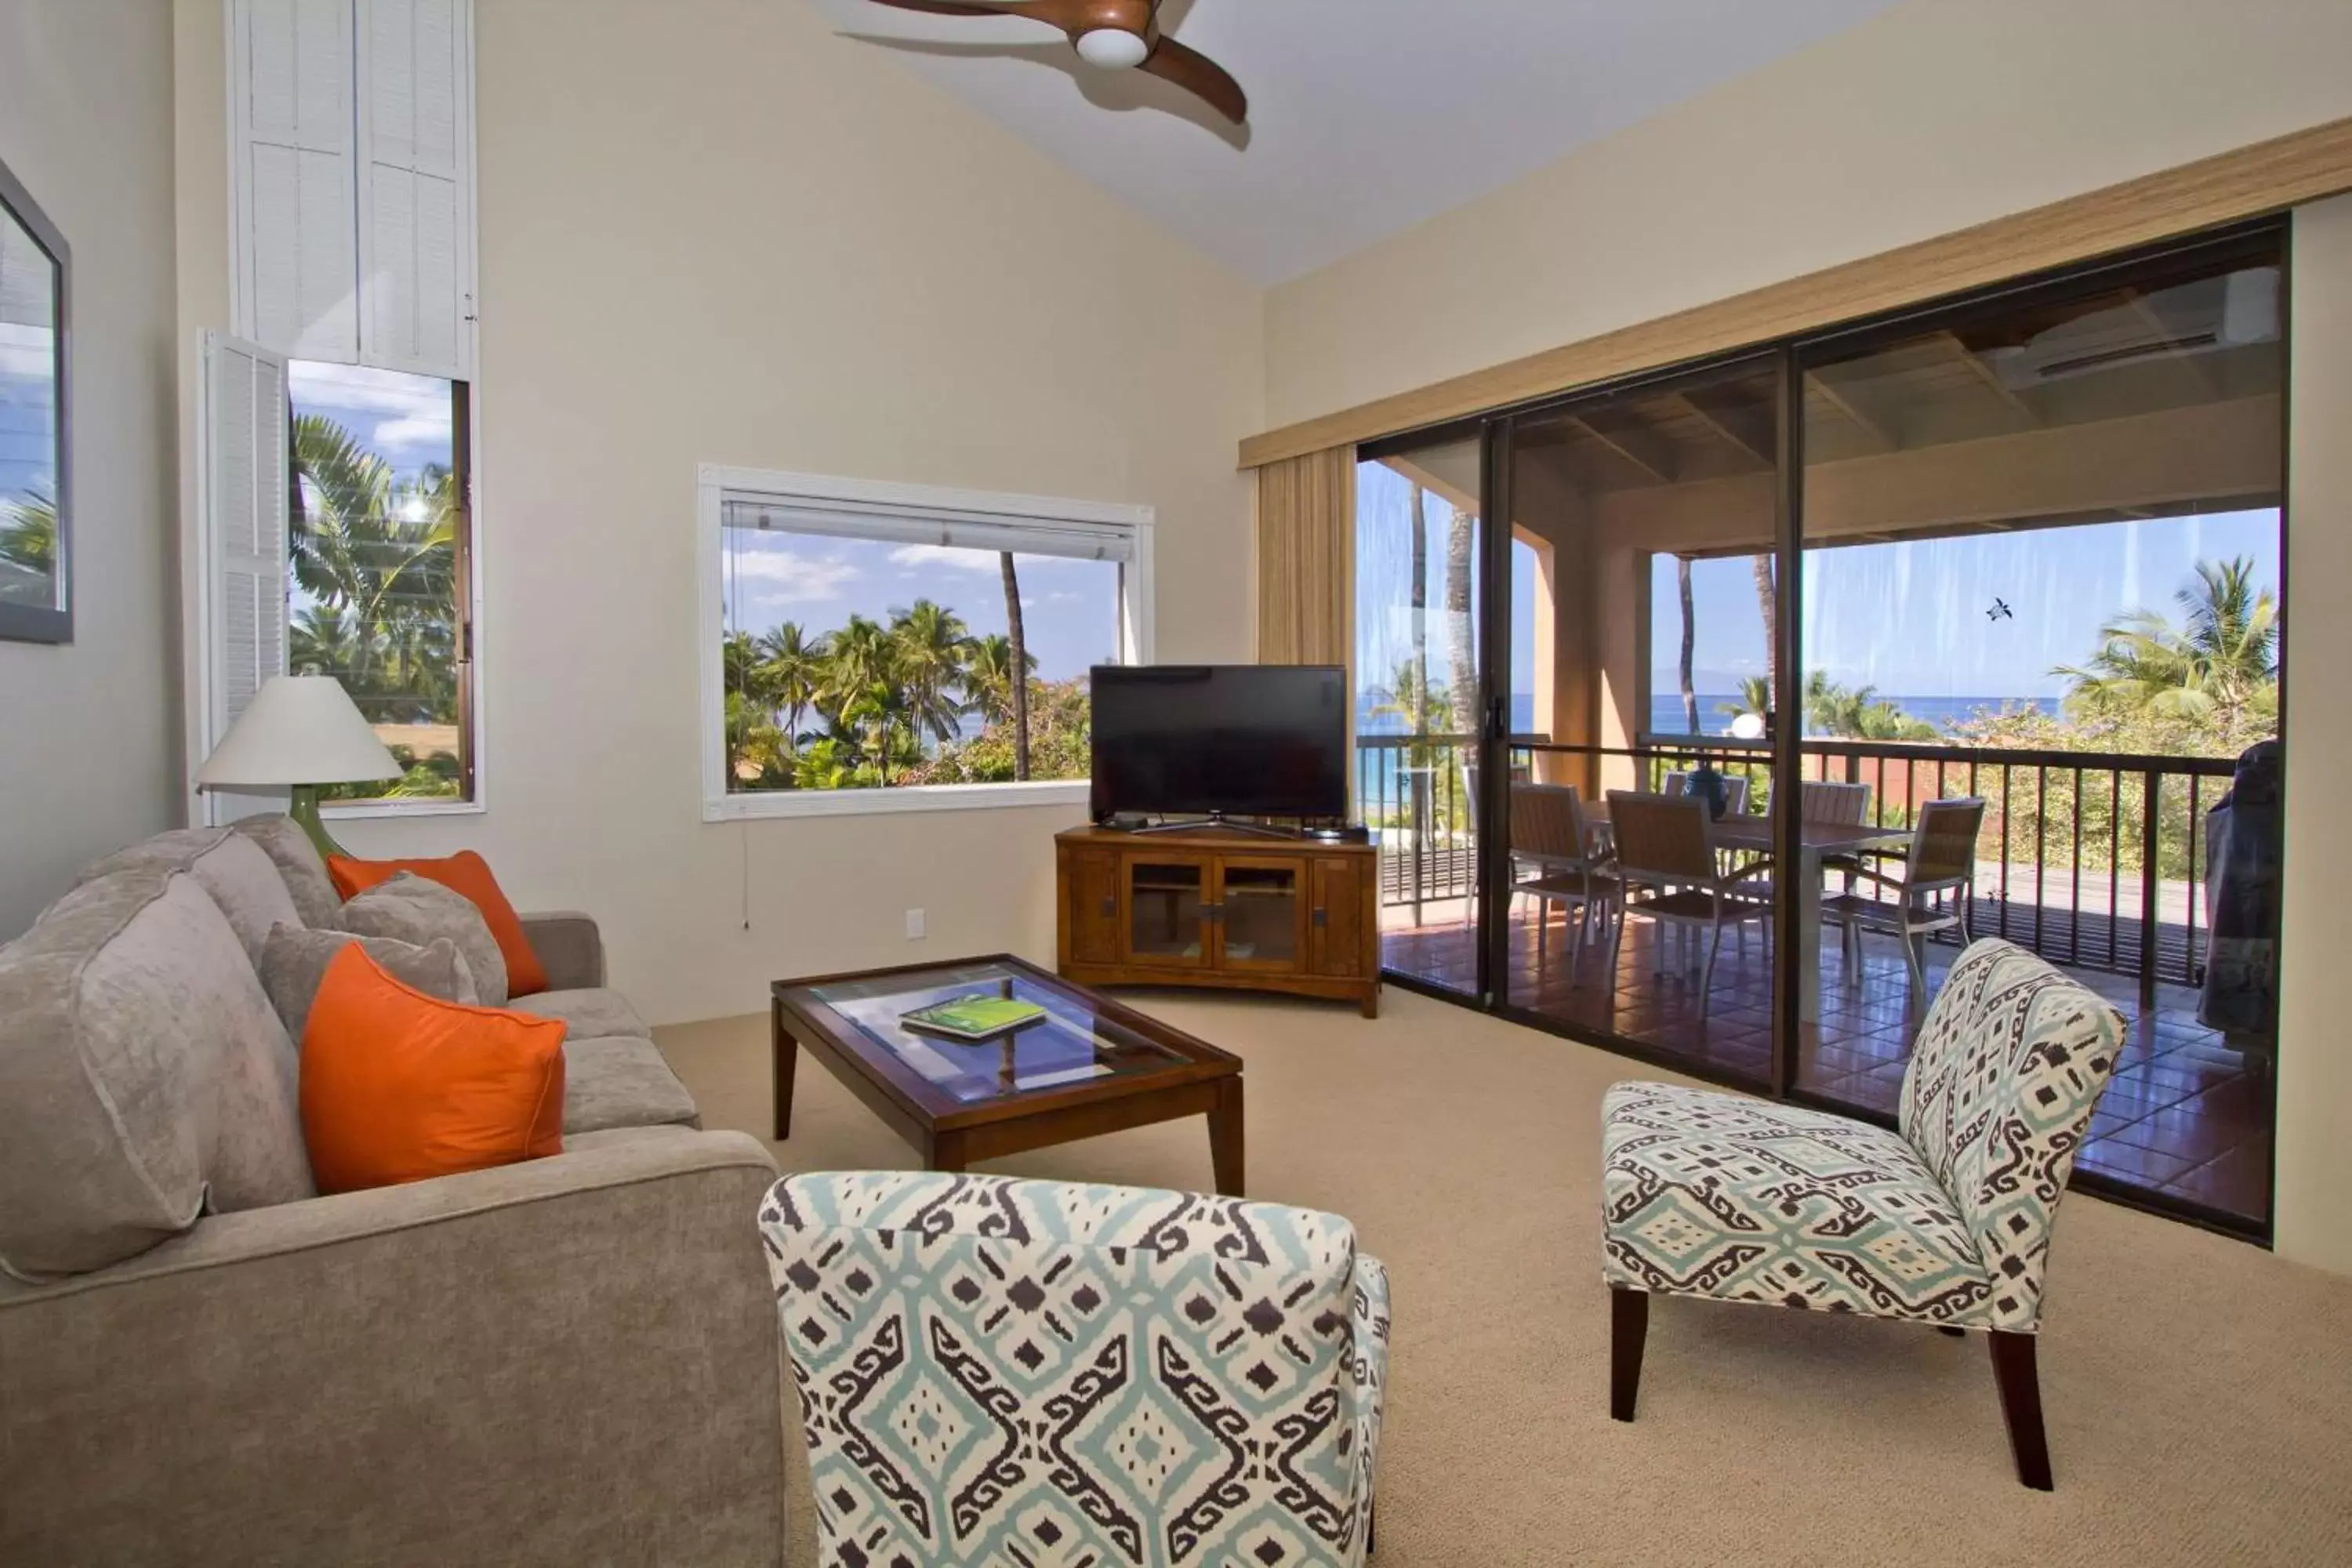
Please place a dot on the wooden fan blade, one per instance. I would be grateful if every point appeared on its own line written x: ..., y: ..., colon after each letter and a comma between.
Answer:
x: 1202, y: 77
x: 1054, y: 12
x: 942, y: 7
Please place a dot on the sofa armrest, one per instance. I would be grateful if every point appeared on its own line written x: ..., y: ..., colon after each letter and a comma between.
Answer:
x: 569, y: 949
x: 570, y: 1359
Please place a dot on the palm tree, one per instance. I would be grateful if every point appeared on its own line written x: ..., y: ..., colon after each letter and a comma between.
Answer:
x: 1462, y: 672
x: 932, y: 652
x: 2222, y: 657
x: 29, y: 538
x: 1755, y: 697
x: 386, y: 553
x: 825, y: 763
x: 1018, y: 660
x: 1858, y: 712
x: 792, y: 668
x: 988, y: 677
x: 1690, y: 639
x: 1422, y: 711
x: 1768, y: 602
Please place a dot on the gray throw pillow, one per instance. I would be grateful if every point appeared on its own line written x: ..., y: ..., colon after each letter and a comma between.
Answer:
x: 298, y: 862
x: 238, y: 873
x: 294, y: 961
x: 408, y: 908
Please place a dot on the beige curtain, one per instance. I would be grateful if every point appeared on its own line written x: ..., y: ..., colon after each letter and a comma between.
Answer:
x: 1306, y: 558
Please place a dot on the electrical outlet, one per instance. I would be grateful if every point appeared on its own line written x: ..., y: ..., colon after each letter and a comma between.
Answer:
x: 914, y: 925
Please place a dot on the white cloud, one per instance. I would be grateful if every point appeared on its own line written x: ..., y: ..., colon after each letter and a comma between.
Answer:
x: 944, y: 555
x: 782, y: 577
x: 415, y: 431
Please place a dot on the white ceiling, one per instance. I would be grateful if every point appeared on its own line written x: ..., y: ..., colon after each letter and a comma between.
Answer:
x: 1365, y: 116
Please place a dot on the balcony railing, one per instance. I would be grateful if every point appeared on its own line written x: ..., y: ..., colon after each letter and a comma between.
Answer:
x: 2094, y: 860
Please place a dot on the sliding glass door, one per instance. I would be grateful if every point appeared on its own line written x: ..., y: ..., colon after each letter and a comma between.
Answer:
x: 1640, y: 609
x: 2041, y: 603
x: 1967, y: 623
x: 1422, y: 698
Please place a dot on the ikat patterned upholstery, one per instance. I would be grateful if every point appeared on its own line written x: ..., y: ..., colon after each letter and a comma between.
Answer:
x: 1028, y: 1372
x: 1947, y: 1222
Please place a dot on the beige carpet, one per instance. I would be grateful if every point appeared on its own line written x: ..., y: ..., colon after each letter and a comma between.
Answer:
x: 2198, y: 1390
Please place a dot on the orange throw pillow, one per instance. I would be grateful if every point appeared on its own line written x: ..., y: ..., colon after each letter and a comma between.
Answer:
x: 398, y: 1086
x: 464, y: 873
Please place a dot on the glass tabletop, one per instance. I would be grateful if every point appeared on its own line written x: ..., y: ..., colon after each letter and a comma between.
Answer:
x: 1071, y: 1045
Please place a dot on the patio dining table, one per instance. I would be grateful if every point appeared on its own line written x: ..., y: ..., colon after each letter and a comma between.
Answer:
x: 1816, y: 842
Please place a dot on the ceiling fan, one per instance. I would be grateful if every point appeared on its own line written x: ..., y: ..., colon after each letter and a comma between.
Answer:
x: 1115, y: 34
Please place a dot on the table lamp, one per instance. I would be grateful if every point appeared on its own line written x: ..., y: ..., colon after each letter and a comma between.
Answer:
x: 299, y: 731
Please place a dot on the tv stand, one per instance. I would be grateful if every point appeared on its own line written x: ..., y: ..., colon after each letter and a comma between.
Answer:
x: 1218, y: 820
x: 1214, y: 905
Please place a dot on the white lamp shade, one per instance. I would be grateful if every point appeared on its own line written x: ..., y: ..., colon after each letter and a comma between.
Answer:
x: 298, y: 729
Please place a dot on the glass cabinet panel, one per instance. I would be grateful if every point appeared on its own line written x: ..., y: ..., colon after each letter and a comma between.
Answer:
x: 1260, y: 912
x: 1167, y: 910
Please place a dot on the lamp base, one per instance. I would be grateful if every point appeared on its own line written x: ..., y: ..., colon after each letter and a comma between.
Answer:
x: 304, y: 810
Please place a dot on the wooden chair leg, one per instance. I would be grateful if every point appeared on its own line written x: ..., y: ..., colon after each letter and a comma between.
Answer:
x: 1629, y: 1325
x: 2021, y: 1406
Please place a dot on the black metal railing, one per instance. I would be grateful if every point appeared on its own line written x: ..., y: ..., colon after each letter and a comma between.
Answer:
x: 2092, y: 859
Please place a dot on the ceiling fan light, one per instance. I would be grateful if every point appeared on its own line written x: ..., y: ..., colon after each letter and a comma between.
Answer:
x: 1112, y: 49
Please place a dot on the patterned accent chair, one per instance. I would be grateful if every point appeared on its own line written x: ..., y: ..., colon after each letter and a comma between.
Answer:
x: 1946, y: 1221
x: 1006, y: 1372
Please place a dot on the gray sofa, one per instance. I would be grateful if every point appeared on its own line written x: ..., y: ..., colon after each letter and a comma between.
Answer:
x: 570, y: 1360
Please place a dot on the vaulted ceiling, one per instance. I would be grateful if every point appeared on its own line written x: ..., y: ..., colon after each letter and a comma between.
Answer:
x: 1367, y: 116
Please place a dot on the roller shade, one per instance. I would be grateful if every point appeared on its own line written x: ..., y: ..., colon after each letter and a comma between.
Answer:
x: 900, y: 524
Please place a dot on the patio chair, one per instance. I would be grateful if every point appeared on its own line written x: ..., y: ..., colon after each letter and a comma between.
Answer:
x: 1665, y: 845
x: 1735, y: 790
x: 1930, y: 892
x: 1550, y: 836
x: 1829, y: 800
x: 1003, y: 1371
x: 1946, y: 1221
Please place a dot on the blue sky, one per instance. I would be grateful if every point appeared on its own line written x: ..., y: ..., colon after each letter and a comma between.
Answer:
x: 1908, y: 619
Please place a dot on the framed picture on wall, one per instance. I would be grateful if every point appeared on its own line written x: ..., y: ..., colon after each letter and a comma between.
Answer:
x: 35, y: 481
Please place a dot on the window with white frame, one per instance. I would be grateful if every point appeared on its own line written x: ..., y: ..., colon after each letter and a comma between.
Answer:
x: 873, y: 647
x: 335, y: 530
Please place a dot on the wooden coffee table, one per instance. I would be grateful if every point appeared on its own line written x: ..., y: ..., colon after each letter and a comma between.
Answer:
x: 1092, y: 1066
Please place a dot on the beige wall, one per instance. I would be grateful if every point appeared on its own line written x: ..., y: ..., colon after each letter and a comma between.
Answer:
x: 90, y: 732
x: 1937, y: 115
x: 1934, y: 116
x: 2315, y: 1075
x: 711, y: 231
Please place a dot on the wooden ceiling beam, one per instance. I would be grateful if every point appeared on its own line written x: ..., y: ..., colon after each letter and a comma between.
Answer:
x: 1991, y: 378
x: 1840, y: 400
x: 1747, y: 429
x: 1643, y: 448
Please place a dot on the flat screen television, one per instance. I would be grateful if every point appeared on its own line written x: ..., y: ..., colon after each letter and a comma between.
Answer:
x: 1200, y: 740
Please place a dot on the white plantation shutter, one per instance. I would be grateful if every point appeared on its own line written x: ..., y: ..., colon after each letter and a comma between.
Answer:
x: 414, y: 198
x: 242, y: 542
x: 296, y: 233
x: 353, y: 181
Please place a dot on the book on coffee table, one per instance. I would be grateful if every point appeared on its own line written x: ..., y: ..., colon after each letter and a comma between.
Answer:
x: 973, y: 1017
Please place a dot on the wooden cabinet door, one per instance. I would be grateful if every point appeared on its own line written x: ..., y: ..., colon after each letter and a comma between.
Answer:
x: 1167, y: 909
x: 1090, y: 906
x: 1261, y: 914
x: 1336, y: 937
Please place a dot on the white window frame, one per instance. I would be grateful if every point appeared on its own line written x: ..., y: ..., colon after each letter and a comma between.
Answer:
x: 715, y: 483
x: 362, y: 348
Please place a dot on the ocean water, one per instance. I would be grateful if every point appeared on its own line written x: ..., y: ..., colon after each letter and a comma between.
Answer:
x: 1376, y: 773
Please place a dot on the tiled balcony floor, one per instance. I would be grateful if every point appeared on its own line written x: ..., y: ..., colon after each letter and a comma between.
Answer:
x: 2185, y: 1116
